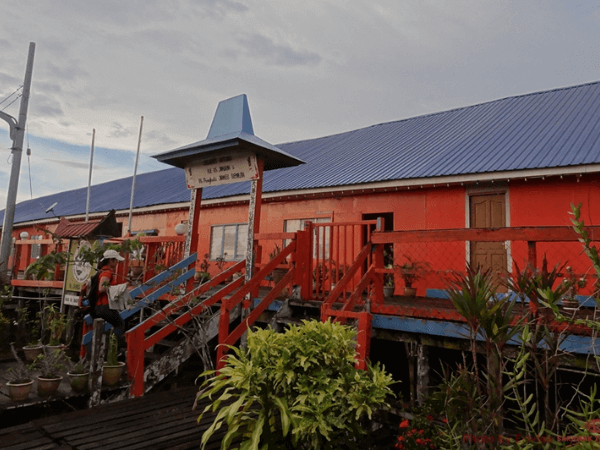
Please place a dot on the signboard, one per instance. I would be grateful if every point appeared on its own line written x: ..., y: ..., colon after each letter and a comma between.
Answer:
x: 223, y: 169
x: 71, y: 300
x: 79, y: 271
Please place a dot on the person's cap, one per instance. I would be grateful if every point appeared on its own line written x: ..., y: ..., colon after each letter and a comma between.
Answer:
x: 112, y: 254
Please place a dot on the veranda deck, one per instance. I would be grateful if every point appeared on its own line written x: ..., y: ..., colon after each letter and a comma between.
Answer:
x: 163, y: 420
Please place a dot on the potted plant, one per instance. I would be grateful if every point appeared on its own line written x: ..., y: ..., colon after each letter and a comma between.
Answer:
x: 388, y: 283
x: 32, y: 350
x: 136, y: 250
x: 50, y: 364
x: 202, y: 276
x: 20, y: 379
x: 113, y: 369
x: 573, y: 283
x: 320, y: 275
x: 44, y: 267
x: 411, y: 271
x: 79, y: 374
x: 55, y: 324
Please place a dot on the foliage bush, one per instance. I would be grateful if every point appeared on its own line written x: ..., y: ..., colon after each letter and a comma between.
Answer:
x: 298, y: 389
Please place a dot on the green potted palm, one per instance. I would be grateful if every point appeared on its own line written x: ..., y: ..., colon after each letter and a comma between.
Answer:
x: 388, y: 283
x: 113, y: 369
x: 50, y: 364
x: 55, y: 324
x: 20, y: 379
x: 411, y: 271
x: 79, y: 374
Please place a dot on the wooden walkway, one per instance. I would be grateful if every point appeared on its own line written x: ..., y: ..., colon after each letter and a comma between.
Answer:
x: 158, y: 421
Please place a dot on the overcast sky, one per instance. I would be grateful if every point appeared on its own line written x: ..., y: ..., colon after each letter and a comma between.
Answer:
x: 309, y: 68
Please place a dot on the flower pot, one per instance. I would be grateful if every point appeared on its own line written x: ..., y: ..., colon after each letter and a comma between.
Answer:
x: 388, y: 291
x: 19, y: 391
x: 136, y: 271
x: 410, y: 291
x: 112, y: 374
x: 79, y: 381
x: 32, y: 352
x: 278, y: 275
x: 54, y: 348
x: 48, y: 386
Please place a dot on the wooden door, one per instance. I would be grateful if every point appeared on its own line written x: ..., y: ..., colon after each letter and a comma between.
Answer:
x: 488, y: 211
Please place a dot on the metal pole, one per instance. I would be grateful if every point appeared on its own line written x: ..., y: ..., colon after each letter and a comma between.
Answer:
x: 89, y: 190
x: 17, y: 150
x: 137, y: 158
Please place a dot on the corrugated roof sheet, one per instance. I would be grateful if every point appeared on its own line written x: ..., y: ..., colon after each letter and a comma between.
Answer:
x: 557, y: 128
x: 67, y: 229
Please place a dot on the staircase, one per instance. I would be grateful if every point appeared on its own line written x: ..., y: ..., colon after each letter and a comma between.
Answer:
x: 158, y: 345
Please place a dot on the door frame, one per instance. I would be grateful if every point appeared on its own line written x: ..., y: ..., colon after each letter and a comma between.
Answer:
x: 489, y: 189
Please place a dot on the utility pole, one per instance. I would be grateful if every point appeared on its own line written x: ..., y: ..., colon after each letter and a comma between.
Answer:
x: 17, y: 134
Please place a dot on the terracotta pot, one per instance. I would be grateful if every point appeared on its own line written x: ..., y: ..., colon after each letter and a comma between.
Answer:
x: 410, y: 291
x: 278, y: 275
x: 52, y: 348
x: 32, y: 352
x: 136, y: 271
x: 79, y: 381
x: 112, y: 374
x: 48, y: 386
x: 20, y: 391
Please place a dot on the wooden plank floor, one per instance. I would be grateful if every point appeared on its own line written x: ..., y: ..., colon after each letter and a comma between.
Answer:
x: 158, y: 421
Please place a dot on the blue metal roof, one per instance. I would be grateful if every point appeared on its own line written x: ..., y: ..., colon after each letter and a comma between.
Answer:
x: 557, y: 128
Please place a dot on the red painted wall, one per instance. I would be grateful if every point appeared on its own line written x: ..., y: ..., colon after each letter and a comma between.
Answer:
x: 536, y: 202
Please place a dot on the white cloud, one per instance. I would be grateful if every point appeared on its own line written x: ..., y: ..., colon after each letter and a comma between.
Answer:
x: 309, y: 69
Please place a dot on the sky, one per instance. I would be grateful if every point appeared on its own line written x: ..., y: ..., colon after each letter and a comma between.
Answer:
x: 310, y: 68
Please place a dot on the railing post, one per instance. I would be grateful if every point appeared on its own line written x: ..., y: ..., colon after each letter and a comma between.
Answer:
x: 16, y: 261
x: 303, y: 275
x: 97, y: 362
x: 223, y: 333
x: 363, y: 340
x: 308, y: 280
x: 84, y: 330
x: 379, y: 277
x: 135, y: 361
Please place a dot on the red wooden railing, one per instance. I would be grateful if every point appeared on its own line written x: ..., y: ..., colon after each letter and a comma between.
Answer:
x: 335, y: 246
x: 22, y: 259
x: 137, y: 341
x: 227, y: 337
x: 160, y: 252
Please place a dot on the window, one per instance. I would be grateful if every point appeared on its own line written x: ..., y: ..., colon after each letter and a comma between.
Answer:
x: 293, y: 225
x: 229, y: 241
x: 36, y: 249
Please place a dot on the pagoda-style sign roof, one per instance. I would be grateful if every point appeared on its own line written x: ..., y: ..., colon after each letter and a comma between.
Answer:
x: 105, y: 227
x: 231, y: 129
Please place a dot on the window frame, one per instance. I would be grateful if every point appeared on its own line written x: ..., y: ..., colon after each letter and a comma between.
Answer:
x: 237, y: 256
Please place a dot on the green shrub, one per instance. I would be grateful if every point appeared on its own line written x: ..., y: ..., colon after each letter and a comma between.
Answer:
x: 299, y: 389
